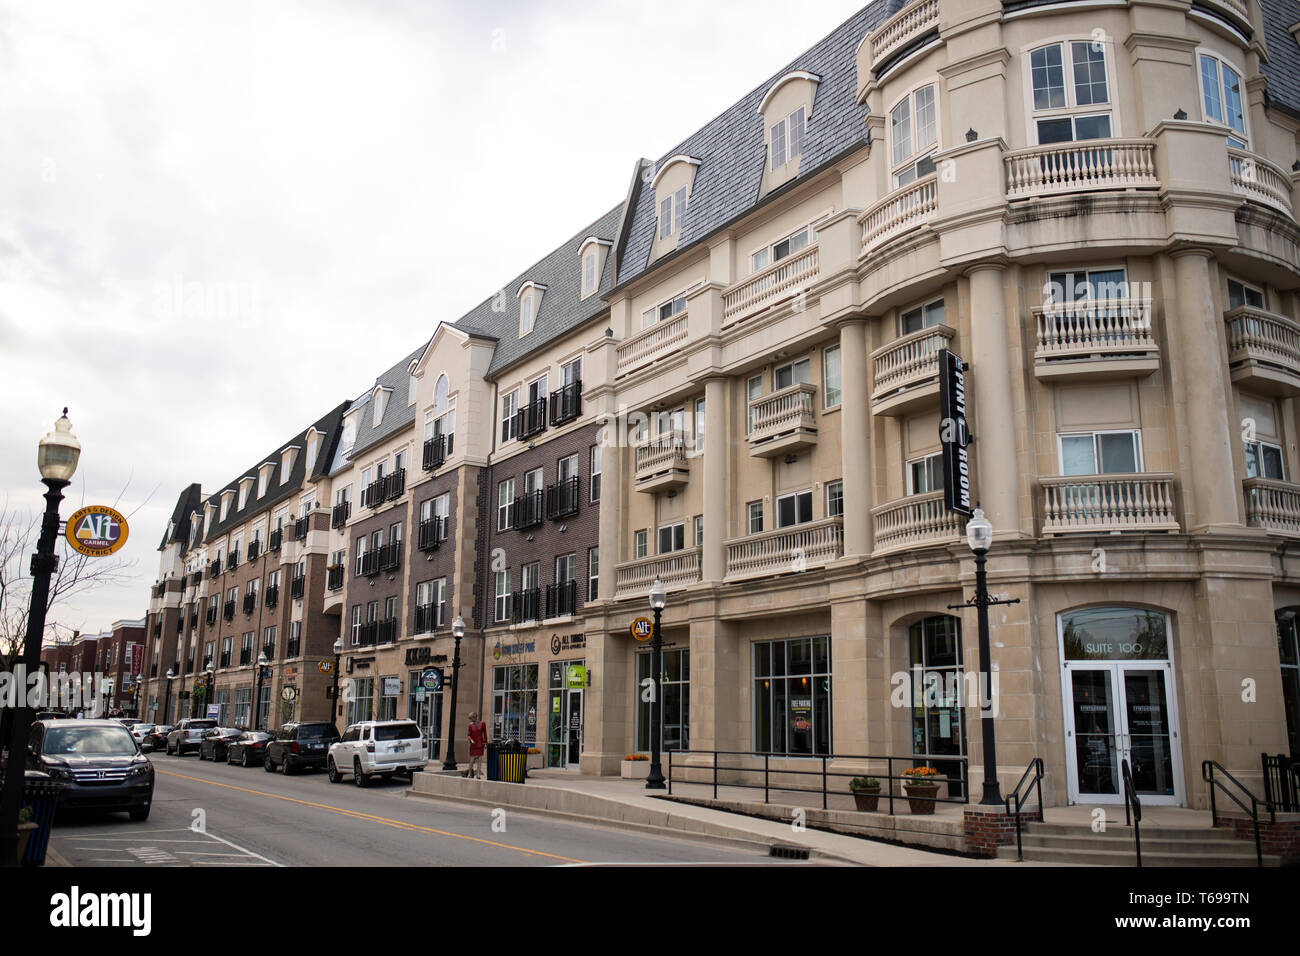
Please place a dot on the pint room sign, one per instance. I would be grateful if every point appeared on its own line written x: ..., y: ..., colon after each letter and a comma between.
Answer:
x: 96, y: 531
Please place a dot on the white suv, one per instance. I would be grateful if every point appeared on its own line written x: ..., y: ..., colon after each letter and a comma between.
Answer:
x: 376, y: 747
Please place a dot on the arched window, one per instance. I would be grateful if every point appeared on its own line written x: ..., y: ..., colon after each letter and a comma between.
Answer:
x: 440, y: 395
x: 938, y: 696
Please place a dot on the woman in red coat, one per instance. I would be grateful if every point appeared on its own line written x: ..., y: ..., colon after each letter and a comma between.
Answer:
x: 477, y: 743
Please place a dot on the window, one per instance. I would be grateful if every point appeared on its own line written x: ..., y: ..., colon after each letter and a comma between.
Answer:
x: 506, y: 504
x: 356, y: 625
x: 399, y: 461
x: 595, y: 472
x: 361, y: 554
x: 925, y: 474
x: 388, y: 702
x: 699, y: 425
x: 509, y: 418
x: 1240, y: 294
x: 672, y: 537
x: 675, y: 689
x: 913, y: 134
x: 502, y: 609
x: 360, y: 699
x: 534, y: 481
x: 754, y: 512
x: 699, y: 531
x: 514, y: 703
x: 269, y: 642
x: 1288, y: 646
x: 589, y: 261
x: 922, y: 317
x: 664, y: 311
x: 641, y: 543
x: 593, y: 573
x: 566, y: 469
x: 835, y: 499
x: 1082, y: 285
x: 261, y: 481
x: 1264, y: 460
x: 792, y: 696
x: 526, y: 319
x: 1066, y: 109
x: 783, y: 248
x: 938, y: 711
x: 1221, y: 98
x: 295, y: 640
x: 671, y: 210
x: 793, y: 509
x: 831, y: 381
x: 1101, y: 453
x: 796, y: 373
x: 753, y: 390
x: 787, y: 139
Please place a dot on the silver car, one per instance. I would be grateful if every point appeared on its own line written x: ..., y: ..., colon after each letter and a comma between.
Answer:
x: 188, y: 734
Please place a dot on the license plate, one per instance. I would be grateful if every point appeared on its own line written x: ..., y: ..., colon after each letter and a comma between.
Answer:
x: 399, y: 748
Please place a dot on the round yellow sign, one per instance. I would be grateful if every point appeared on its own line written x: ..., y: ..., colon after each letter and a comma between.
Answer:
x: 643, y: 629
x: 96, y: 531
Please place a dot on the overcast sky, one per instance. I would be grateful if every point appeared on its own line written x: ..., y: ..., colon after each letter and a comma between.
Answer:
x: 219, y: 220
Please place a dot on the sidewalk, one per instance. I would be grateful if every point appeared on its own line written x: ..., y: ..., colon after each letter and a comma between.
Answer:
x: 613, y: 801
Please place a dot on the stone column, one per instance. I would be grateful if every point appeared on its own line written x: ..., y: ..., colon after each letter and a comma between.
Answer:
x: 717, y: 721
x: 717, y: 450
x: 998, y: 486
x: 855, y: 438
x: 616, y: 477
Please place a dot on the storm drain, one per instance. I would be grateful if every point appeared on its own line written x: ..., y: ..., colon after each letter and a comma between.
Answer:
x: 786, y: 852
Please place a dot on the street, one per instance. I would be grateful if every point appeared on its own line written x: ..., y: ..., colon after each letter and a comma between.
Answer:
x: 207, y: 814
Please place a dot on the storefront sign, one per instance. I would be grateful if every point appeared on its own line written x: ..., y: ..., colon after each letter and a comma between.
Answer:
x: 431, y: 679
x: 643, y: 629
x: 953, y: 434
x: 509, y: 650
x: 325, y: 667
x: 392, y: 686
x: 567, y: 642
x: 96, y: 531
x: 575, y: 676
x: 214, y: 711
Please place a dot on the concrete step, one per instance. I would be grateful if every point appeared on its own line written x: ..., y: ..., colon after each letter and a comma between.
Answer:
x: 1110, y: 840
x: 1192, y: 834
x: 1189, y: 857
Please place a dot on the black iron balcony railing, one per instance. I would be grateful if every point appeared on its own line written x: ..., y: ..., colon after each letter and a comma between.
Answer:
x: 529, y: 509
x: 180, y: 624
x: 374, y: 494
x: 566, y: 403
x: 195, y: 578
x: 562, y: 599
x: 228, y: 612
x: 194, y: 618
x: 292, y: 647
x: 370, y: 564
x: 275, y: 540
x: 250, y: 602
x: 272, y: 597
x: 225, y: 659
x: 189, y: 666
x: 431, y: 533
x: 387, y: 632
x: 269, y: 651
x: 396, y: 484
x: 368, y: 634
x: 232, y: 561
x: 339, y: 516
x: 214, y: 569
x: 334, y: 578
x: 298, y: 586
x: 212, y: 616
x: 528, y: 605
x: 254, y: 549
x: 245, y: 656
x: 429, y: 616
x: 158, y: 589
x: 562, y: 498
x: 531, y: 419
x: 300, y: 529
x: 436, y: 450
x: 390, y: 556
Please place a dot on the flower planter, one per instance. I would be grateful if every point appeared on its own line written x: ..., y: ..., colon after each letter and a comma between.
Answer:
x: 867, y: 799
x: 921, y: 797
x: 25, y: 833
x: 634, y: 769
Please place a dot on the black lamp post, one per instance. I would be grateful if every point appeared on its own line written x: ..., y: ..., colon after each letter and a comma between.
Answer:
x: 167, y: 700
x: 338, y: 656
x: 209, y: 689
x: 263, y: 674
x: 56, y: 457
x: 658, y: 598
x: 457, y: 632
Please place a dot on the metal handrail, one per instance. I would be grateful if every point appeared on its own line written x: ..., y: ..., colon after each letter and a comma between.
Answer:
x: 1130, y: 796
x: 1207, y: 774
x: 1020, y: 799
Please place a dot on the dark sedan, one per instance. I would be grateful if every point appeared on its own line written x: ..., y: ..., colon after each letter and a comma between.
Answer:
x: 157, y: 738
x: 98, y: 761
x: 215, y: 741
x: 248, y: 748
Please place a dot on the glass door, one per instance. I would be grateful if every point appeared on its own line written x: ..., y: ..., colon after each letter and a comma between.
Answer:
x: 573, y: 727
x: 1096, y: 744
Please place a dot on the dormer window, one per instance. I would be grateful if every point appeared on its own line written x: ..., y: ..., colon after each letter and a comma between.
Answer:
x: 589, y: 271
x: 245, y: 485
x: 913, y: 135
x: 672, y: 186
x: 526, y: 315
x: 592, y: 252
x: 264, y: 477
x: 672, y: 209
x: 313, y: 448
x: 530, y: 300
x: 349, y: 437
x: 786, y: 139
x: 378, y: 402
x: 287, y: 458
x: 226, y: 498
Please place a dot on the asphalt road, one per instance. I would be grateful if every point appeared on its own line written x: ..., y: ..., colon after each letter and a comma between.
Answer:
x: 249, y: 817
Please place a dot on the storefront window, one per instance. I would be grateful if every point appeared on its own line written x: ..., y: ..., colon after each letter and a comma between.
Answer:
x: 676, y: 716
x: 792, y: 696
x: 360, y: 699
x: 938, y: 689
x: 387, y: 700
x: 564, y: 715
x: 243, y: 707
x: 222, y: 700
x: 1288, y: 648
x: 424, y: 706
x: 514, y: 703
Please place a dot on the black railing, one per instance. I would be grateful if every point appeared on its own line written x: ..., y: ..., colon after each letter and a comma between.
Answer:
x: 531, y: 419
x: 232, y: 561
x: 254, y: 549
x: 292, y: 647
x: 1228, y: 783
x: 189, y: 665
x: 1282, y: 782
x: 250, y: 602
x: 214, y: 569
x: 387, y: 632
x: 300, y: 529
x: 373, y: 494
x: 390, y: 556
x: 297, y: 586
x: 566, y: 403
x: 428, y: 617
x: 212, y: 615
x: 787, y: 773
x: 180, y: 623
x: 334, y: 578
x: 245, y: 656
x: 431, y: 533
x: 369, y: 564
x: 368, y: 634
x: 196, y: 578
x: 437, y: 450
x: 528, y: 605
x: 229, y: 610
x: 1132, y: 808
x: 339, y: 516
x: 529, y: 509
x: 272, y: 596
x: 225, y: 659
x: 158, y: 589
x: 562, y: 498
x: 275, y: 540
x: 1031, y: 780
x: 269, y: 651
x: 194, y: 618
x: 561, y: 599
x: 396, y: 484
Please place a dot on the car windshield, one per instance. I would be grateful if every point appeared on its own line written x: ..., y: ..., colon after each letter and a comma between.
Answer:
x: 254, y: 737
x: 313, y: 731
x: 88, y: 742
x: 397, y: 732
x: 201, y: 724
x: 142, y: 728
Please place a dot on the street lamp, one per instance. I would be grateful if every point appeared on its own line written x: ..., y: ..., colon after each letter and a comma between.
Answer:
x: 209, y: 690
x: 979, y: 535
x: 263, y: 673
x: 658, y: 598
x: 457, y: 632
x: 338, y: 655
x: 56, y: 457
x: 167, y: 702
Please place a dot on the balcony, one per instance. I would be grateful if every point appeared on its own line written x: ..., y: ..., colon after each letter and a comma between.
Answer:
x: 214, y: 569
x: 562, y: 599
x: 275, y: 539
x: 429, y: 616
x: 194, y: 619
x: 527, y: 605
x: 396, y: 484
x: 1264, y: 351
x: 914, y: 522
x: 913, y: 21
x: 563, y: 498
x: 245, y: 656
x: 250, y: 602
x: 797, y: 548
x: 292, y: 648
x: 366, y: 635
x: 907, y: 208
x: 228, y: 610
x: 436, y: 450
x: 224, y: 659
x: 1259, y: 180
x: 784, y: 422
x: 300, y: 529
x: 432, y: 533
x: 390, y: 556
x: 652, y: 344
x: 373, y: 494
x: 334, y: 578
x: 780, y: 281
x: 677, y: 570
x: 340, y: 513
x: 297, y: 587
x: 369, y: 564
x: 530, y: 420
x: 566, y: 403
x: 386, y: 633
x: 1095, y: 339
x: 211, y: 616
x: 905, y: 373
x: 254, y: 549
x: 529, y: 509
x: 1064, y: 169
x: 272, y: 597
x: 233, y: 560
x: 196, y: 578
x: 1272, y: 505
x: 662, y: 464
x: 1105, y: 504
x: 158, y: 589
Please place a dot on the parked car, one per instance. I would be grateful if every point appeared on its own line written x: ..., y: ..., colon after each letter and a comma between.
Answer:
x: 139, y: 732
x: 98, y: 761
x: 214, y: 742
x: 298, y: 746
x: 157, y: 738
x: 188, y: 734
x: 49, y: 715
x: 248, y: 748
x: 377, y: 747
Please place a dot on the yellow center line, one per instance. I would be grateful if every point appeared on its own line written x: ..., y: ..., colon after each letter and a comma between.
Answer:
x: 370, y: 817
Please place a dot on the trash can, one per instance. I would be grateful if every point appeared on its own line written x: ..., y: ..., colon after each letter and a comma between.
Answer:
x: 512, y: 762
x: 492, y: 759
x: 41, y: 795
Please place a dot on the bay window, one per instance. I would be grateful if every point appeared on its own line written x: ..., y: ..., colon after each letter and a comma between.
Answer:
x: 913, y: 135
x: 1071, y: 92
x: 1221, y: 98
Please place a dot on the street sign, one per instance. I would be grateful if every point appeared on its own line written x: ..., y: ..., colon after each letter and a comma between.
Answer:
x: 96, y: 531
x: 953, y: 433
x: 419, y: 694
x: 325, y: 667
x: 643, y: 629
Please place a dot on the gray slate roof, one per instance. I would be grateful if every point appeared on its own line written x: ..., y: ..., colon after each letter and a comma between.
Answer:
x: 562, y: 309
x: 1283, y: 66
x: 732, y: 147
x: 397, y: 413
x: 189, y: 501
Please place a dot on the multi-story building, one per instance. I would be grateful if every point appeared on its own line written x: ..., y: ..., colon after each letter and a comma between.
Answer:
x: 115, y: 658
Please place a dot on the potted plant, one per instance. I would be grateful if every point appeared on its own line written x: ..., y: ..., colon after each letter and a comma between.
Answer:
x: 635, y: 767
x: 866, y: 792
x: 921, y: 784
x: 26, y: 830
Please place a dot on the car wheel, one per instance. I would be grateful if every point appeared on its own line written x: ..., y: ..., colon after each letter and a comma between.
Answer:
x: 359, y: 778
x: 267, y: 765
x: 201, y: 757
x: 333, y: 772
x: 288, y: 767
x: 139, y: 814
x: 244, y: 760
